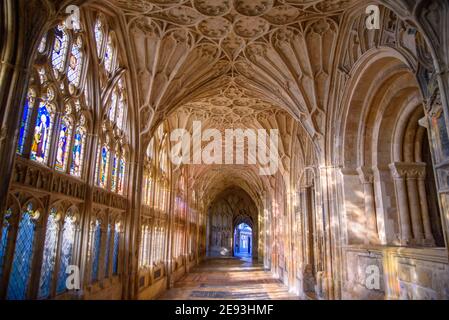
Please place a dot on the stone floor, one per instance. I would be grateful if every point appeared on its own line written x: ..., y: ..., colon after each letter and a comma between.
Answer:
x: 230, y: 279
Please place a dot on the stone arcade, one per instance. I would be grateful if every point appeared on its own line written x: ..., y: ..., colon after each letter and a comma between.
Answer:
x: 87, y: 104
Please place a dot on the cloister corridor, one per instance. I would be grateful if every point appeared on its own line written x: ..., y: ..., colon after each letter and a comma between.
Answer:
x: 229, y: 279
x: 224, y: 149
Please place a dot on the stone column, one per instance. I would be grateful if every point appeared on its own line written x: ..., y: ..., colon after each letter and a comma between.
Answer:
x: 424, y: 208
x: 367, y: 179
x: 414, y: 171
x: 399, y: 176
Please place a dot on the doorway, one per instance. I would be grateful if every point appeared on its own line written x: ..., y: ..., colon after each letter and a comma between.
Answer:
x: 243, y: 240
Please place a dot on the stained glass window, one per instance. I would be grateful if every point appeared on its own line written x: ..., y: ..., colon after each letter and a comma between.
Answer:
x: 42, y: 133
x: 25, y: 121
x: 114, y: 173
x: 4, y: 239
x: 60, y: 47
x: 23, y: 253
x: 96, y: 250
x: 68, y: 240
x: 99, y: 35
x: 109, y: 55
x: 113, y: 105
x: 65, y: 134
x: 116, y: 250
x: 42, y: 44
x: 75, y: 62
x: 76, y: 165
x: 103, y: 167
x: 121, y: 105
x: 121, y: 175
x: 49, y: 256
x: 106, y: 256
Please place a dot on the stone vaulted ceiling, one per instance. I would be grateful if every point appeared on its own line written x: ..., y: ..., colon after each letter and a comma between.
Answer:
x: 278, y: 51
x: 234, y: 64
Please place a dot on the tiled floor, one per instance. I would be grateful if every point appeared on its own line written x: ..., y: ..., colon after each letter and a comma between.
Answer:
x: 228, y: 278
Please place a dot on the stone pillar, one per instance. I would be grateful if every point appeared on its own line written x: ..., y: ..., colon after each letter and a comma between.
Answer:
x: 367, y: 179
x: 399, y: 176
x: 425, y: 209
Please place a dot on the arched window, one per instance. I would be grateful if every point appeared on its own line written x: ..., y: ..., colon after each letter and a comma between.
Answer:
x: 59, y: 109
x: 23, y: 254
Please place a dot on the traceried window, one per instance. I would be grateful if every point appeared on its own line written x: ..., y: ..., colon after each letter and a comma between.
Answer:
x: 54, y: 123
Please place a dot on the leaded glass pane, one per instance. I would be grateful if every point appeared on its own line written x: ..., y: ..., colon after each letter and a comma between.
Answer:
x: 121, y: 175
x: 60, y: 47
x: 25, y: 122
x: 65, y: 133
x: 42, y: 134
x: 68, y: 240
x: 103, y: 167
x: 78, y: 152
x: 49, y: 256
x: 114, y: 173
x: 112, y: 107
x: 109, y: 56
x: 96, y: 248
x: 4, y: 239
x: 99, y: 35
x: 75, y: 63
x: 106, y: 256
x: 23, y: 253
x: 42, y: 44
x: 116, y: 251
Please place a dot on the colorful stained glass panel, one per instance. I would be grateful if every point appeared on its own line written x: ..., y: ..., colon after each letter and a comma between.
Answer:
x: 42, y: 134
